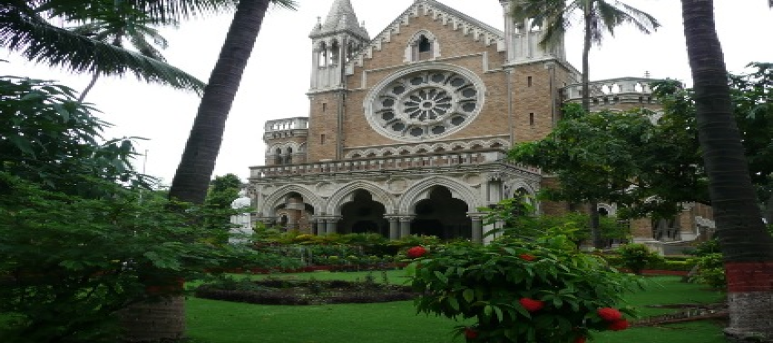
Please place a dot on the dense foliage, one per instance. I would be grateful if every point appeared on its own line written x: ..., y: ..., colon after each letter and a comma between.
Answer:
x: 80, y: 237
x: 519, y: 289
x: 52, y: 139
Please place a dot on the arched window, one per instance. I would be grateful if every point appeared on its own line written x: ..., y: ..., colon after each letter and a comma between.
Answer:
x: 423, y: 46
x: 322, y: 58
x: 278, y: 156
x: 335, y: 51
x: 288, y: 158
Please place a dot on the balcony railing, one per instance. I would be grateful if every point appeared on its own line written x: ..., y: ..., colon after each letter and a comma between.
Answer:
x: 612, y: 90
x: 296, y: 123
x: 383, y: 164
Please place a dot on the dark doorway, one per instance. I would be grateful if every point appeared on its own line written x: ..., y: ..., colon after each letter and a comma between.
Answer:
x: 363, y: 215
x: 441, y: 215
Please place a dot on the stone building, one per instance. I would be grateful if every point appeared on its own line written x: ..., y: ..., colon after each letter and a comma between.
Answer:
x: 408, y: 130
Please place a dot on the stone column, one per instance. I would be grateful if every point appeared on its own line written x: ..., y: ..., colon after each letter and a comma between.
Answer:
x: 330, y: 224
x: 477, y: 227
x: 394, y: 227
x: 315, y: 225
x: 405, y: 226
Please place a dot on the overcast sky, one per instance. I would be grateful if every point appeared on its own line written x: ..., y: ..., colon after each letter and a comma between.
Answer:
x: 277, y: 77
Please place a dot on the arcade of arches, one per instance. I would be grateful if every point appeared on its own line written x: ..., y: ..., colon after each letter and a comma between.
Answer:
x: 439, y: 214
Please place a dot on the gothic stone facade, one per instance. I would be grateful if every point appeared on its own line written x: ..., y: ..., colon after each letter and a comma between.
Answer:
x: 408, y: 131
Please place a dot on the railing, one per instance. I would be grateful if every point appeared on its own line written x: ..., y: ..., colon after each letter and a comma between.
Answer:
x: 638, y: 87
x: 426, y: 163
x: 287, y: 124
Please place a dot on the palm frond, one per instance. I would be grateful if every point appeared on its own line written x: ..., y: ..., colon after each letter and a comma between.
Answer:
x: 643, y: 21
x: 43, y: 43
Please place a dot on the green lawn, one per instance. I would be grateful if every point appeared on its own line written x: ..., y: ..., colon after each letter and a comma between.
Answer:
x: 212, y: 321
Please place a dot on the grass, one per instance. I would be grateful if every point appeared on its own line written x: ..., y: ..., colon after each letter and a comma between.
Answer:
x: 211, y: 321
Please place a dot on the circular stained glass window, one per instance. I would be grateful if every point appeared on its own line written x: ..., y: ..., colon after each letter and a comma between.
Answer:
x: 424, y: 104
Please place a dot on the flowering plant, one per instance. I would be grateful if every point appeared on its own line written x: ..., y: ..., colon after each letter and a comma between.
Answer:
x: 562, y: 296
x: 416, y: 252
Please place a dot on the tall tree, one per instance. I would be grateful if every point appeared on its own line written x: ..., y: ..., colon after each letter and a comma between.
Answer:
x: 193, y: 174
x: 598, y: 16
x: 644, y: 166
x: 746, y: 246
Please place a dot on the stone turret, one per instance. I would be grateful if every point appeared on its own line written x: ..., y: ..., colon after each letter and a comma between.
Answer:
x: 335, y: 41
x: 522, y: 40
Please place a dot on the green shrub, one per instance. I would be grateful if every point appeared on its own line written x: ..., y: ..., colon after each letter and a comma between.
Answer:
x: 636, y: 257
x: 710, y: 271
x: 519, y: 290
x: 69, y: 265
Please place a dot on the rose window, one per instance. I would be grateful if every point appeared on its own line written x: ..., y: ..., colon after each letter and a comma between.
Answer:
x: 424, y: 104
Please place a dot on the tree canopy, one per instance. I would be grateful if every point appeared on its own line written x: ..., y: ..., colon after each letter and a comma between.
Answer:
x: 649, y: 163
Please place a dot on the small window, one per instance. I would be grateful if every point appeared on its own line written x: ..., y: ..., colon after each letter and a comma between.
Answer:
x: 528, y: 81
x: 324, y: 107
x: 424, y: 44
x: 322, y: 139
x: 531, y: 119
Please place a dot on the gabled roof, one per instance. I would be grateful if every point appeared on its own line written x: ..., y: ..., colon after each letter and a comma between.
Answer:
x: 474, y: 28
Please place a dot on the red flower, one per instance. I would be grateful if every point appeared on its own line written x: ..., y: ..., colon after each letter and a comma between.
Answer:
x: 532, y: 305
x: 470, y: 333
x: 619, y: 325
x: 609, y: 314
x: 580, y: 339
x: 527, y: 257
x: 416, y: 252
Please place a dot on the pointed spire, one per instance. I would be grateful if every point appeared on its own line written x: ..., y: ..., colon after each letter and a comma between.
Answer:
x: 341, y: 18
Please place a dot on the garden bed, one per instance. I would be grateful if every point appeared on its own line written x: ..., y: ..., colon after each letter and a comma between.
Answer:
x: 303, y: 292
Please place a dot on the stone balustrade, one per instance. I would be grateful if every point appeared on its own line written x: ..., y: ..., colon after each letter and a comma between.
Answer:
x: 612, y: 91
x: 296, y: 123
x: 425, y: 163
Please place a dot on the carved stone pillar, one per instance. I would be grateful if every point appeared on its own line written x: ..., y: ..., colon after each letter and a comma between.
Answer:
x: 330, y: 224
x: 477, y: 227
x: 405, y: 225
x: 394, y: 227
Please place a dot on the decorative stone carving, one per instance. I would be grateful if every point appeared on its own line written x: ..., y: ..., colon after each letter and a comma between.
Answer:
x: 325, y: 189
x: 474, y: 180
x: 398, y: 185
x: 419, y: 104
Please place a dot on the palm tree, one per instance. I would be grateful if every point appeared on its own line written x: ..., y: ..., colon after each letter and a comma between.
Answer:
x: 120, y: 24
x: 193, y: 174
x: 25, y: 27
x: 598, y: 16
x: 192, y: 177
x: 746, y: 245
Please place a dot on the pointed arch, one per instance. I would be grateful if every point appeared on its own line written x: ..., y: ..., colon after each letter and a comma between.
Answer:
x: 421, y: 190
x: 346, y: 193
x: 422, y: 46
x: 273, y: 201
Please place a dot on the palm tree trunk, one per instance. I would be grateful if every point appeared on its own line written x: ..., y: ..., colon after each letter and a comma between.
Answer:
x: 198, y: 160
x: 191, y: 180
x: 595, y: 229
x: 744, y: 241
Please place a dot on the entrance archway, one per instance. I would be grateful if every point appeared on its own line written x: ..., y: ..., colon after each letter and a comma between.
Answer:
x: 363, y: 215
x: 442, y: 215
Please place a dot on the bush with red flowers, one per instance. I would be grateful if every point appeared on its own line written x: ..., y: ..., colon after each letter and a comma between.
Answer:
x: 559, y: 296
x: 609, y: 314
x: 532, y: 305
x: 416, y: 252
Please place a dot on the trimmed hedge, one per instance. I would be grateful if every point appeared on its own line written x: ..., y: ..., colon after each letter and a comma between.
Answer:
x: 304, y: 292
